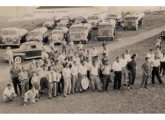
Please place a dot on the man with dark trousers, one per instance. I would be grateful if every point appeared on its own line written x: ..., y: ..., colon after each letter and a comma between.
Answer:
x: 131, y: 68
x: 14, y: 76
x: 155, y: 70
x: 117, y: 69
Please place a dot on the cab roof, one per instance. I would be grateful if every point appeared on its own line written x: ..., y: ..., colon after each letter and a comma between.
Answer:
x: 11, y: 28
x: 78, y: 25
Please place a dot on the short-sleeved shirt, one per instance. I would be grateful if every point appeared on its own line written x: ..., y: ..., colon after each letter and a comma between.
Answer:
x: 123, y: 62
x: 52, y: 76
x: 117, y: 66
x: 128, y: 57
x: 23, y: 75
x: 131, y: 66
x: 82, y: 69
x: 14, y: 72
x: 155, y: 63
x: 9, y: 92
x: 106, y: 69
x: 147, y: 67
x: 94, y: 69
x: 66, y: 72
x: 74, y: 70
x: 32, y: 93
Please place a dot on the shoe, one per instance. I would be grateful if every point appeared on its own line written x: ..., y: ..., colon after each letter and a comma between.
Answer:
x: 129, y: 88
x: 64, y: 95
x: 146, y: 87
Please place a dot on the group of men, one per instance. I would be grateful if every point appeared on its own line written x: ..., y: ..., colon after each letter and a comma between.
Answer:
x: 62, y: 74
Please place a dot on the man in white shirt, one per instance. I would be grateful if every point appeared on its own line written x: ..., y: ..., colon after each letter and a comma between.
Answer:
x: 66, y: 73
x: 94, y: 52
x: 9, y: 93
x: 31, y: 96
x: 151, y: 55
x: 124, y: 61
x: 117, y: 68
x: 52, y: 82
x: 82, y: 72
x: 35, y: 81
x: 94, y: 76
x: 106, y: 69
x: 9, y: 55
x: 24, y: 78
x: 155, y: 70
x: 128, y: 56
x: 61, y: 57
x: 74, y: 73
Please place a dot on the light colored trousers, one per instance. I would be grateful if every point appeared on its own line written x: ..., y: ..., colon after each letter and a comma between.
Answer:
x: 73, y: 82
x: 52, y: 89
x: 95, y: 80
x: 8, y: 98
x: 125, y: 75
x: 67, y: 85
x: 29, y: 98
x: 24, y: 86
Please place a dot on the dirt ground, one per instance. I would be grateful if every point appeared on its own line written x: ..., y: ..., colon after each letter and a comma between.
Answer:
x: 145, y: 101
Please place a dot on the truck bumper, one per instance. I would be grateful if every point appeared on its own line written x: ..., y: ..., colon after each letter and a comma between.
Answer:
x: 106, y: 38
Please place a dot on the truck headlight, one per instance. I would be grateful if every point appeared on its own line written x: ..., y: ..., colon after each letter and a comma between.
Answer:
x: 162, y: 33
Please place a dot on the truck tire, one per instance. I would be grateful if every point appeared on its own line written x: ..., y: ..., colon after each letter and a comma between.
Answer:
x: 17, y: 59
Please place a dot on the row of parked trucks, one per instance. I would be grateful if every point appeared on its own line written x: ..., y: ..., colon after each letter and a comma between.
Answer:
x: 78, y: 29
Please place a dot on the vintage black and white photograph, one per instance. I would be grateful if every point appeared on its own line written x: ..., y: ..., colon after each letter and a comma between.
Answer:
x: 82, y: 59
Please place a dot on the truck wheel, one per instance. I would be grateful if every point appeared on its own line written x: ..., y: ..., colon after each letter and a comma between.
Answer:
x: 17, y: 59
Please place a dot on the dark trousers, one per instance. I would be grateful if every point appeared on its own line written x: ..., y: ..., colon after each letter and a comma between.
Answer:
x: 162, y: 67
x: 117, y: 80
x: 131, y: 77
x: 61, y: 85
x: 30, y: 84
x: 105, y: 80
x: 155, y: 72
x: 44, y: 83
x: 16, y: 83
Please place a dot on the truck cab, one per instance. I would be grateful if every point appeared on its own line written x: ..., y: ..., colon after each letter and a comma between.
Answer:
x: 12, y: 36
x: 38, y: 34
x: 94, y: 20
x: 106, y: 30
x: 80, y: 32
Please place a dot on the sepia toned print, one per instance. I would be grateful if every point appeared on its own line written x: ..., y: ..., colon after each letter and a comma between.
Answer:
x: 82, y: 59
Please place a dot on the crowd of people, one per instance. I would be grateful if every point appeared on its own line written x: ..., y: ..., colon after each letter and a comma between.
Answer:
x: 62, y: 73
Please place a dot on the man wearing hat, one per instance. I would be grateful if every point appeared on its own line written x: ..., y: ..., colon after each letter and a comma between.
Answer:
x: 117, y: 69
x: 106, y: 68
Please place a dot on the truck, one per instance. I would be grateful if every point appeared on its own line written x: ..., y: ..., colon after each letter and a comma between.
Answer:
x: 57, y: 35
x: 64, y: 22
x: 49, y: 24
x: 132, y: 21
x: 106, y: 30
x: 115, y: 17
x: 94, y: 20
x: 39, y: 34
x: 80, y: 32
x: 79, y: 20
x: 12, y: 36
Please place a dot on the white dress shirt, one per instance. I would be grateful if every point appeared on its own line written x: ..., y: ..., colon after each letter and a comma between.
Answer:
x: 123, y: 62
x: 94, y: 69
x: 74, y: 70
x: 117, y: 66
x: 128, y: 57
x: 82, y: 70
x: 66, y: 72
x: 106, y: 69
x: 9, y: 92
x: 162, y: 58
x: 155, y: 62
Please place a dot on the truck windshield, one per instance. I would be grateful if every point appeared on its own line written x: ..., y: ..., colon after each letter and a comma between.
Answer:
x: 93, y: 18
x: 57, y: 32
x: 77, y: 29
x: 105, y: 26
x: 130, y: 18
x: 35, y: 33
x: 8, y: 32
